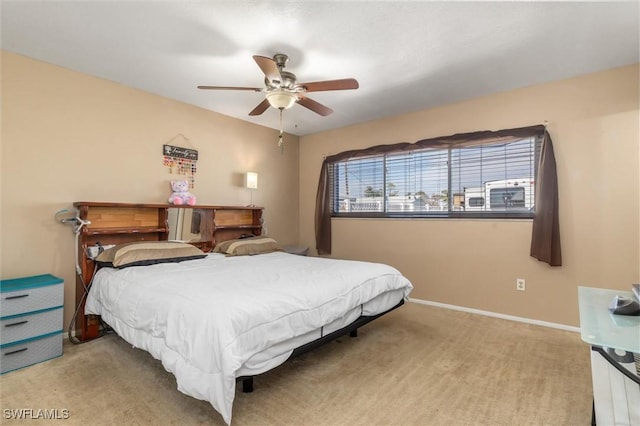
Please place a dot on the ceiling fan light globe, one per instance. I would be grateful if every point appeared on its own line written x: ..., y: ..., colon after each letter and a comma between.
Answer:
x: 281, y: 99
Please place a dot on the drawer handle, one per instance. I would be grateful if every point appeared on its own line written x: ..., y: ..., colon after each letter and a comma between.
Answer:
x: 17, y: 323
x: 16, y: 297
x: 16, y: 351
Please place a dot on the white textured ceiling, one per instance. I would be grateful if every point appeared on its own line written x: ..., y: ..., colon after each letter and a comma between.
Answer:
x: 406, y: 55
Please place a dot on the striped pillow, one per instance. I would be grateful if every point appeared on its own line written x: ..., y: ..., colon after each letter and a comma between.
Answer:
x: 247, y: 246
x: 148, y: 253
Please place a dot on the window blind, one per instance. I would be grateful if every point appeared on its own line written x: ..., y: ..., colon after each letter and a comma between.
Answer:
x: 479, y: 180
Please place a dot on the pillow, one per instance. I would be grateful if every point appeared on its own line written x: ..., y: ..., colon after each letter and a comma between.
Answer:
x: 148, y: 253
x: 247, y: 246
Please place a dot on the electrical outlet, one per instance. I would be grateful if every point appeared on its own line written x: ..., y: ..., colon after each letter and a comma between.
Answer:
x: 520, y: 285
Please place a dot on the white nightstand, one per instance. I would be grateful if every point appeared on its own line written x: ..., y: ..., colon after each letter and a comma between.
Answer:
x: 31, y: 316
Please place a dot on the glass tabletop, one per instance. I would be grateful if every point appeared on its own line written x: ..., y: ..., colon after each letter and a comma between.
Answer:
x: 599, y: 327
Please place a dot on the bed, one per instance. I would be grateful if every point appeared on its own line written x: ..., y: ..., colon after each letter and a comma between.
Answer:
x: 215, y: 318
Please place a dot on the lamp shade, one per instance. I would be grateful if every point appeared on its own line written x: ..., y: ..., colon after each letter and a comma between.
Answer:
x: 281, y: 99
x: 252, y: 180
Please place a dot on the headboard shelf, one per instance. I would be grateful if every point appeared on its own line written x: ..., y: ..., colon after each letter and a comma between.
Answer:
x: 203, y: 226
x: 159, y: 205
x: 135, y: 230
x: 238, y: 226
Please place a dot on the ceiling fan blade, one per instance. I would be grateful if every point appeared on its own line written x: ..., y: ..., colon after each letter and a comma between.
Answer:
x: 314, y: 106
x: 253, y: 89
x: 342, y: 84
x: 268, y: 67
x: 262, y: 107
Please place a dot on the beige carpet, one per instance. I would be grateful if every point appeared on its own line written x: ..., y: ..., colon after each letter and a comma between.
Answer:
x: 418, y: 365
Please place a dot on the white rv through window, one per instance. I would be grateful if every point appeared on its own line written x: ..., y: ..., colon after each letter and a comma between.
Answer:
x: 501, y: 195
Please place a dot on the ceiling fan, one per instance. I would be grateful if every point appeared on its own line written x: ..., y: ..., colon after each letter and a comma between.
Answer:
x: 282, y: 89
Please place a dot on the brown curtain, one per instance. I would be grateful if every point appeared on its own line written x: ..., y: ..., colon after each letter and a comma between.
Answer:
x: 549, y: 235
x: 545, y: 236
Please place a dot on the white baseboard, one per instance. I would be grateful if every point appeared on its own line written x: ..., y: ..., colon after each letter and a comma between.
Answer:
x: 496, y: 315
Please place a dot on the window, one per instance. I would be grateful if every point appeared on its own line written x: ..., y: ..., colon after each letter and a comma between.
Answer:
x: 454, y: 174
x: 478, y: 180
x: 475, y: 202
x: 505, y: 198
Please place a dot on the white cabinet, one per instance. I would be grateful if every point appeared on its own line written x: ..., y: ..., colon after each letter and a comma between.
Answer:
x: 31, y: 317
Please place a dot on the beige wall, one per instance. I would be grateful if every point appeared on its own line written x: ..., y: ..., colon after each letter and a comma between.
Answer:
x: 594, y: 123
x: 70, y: 137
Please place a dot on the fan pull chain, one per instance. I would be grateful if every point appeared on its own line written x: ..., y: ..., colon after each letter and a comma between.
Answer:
x: 280, y: 138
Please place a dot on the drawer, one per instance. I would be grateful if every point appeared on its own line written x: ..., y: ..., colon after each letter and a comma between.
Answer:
x: 18, y: 355
x: 21, y: 327
x: 31, y: 299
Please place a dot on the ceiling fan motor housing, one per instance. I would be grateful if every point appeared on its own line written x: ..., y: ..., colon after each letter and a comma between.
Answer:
x: 287, y: 80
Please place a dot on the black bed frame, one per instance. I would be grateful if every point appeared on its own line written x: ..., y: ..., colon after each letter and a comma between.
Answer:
x: 351, y: 329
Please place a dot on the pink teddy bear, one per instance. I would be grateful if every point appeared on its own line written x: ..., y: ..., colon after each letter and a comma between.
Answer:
x: 181, y: 194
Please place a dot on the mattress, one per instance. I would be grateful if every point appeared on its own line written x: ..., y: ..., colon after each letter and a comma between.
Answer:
x: 212, y: 320
x: 275, y: 355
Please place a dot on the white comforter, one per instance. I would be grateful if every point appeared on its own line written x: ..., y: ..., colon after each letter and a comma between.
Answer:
x: 205, y: 318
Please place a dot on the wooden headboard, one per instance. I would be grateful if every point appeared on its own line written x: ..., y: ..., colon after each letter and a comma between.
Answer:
x: 118, y: 223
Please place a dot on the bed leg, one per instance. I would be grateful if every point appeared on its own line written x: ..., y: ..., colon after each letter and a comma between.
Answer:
x: 353, y: 333
x: 247, y: 384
